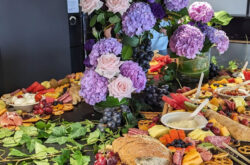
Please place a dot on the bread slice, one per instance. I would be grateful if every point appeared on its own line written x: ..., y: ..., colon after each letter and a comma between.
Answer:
x: 141, y: 150
x: 237, y: 130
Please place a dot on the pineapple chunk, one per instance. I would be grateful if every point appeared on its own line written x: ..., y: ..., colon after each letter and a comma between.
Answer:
x: 158, y: 131
x: 224, y: 131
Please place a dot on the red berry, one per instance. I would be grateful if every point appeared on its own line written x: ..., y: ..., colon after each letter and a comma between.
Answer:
x: 40, y: 111
x: 44, y: 102
x: 209, y: 125
x: 36, y: 107
x: 244, y: 122
x: 98, y: 155
x: 19, y: 96
x: 179, y: 91
x: 155, y: 119
x: 36, y: 112
x: 215, y: 130
x: 48, y: 110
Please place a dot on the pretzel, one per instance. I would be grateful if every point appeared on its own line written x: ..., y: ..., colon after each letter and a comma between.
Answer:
x: 220, y: 155
x: 150, y: 115
x: 143, y: 124
x: 247, y: 113
x: 57, y: 113
x: 209, y: 163
x: 68, y: 107
x: 223, y: 161
x: 235, y: 145
x: 244, y: 150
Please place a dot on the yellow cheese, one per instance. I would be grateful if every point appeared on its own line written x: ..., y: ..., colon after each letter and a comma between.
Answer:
x: 192, y: 158
x: 158, y: 131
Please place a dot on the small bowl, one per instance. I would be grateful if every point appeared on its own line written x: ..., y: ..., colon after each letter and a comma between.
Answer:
x: 25, y: 108
x: 219, y: 91
x: 173, y: 116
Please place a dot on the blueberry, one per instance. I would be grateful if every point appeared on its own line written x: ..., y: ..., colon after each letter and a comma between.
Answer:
x: 168, y: 145
x: 178, y: 145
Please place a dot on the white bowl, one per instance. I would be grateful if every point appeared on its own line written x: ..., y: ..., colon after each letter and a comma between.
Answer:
x: 174, y: 116
x: 219, y: 91
x: 25, y: 108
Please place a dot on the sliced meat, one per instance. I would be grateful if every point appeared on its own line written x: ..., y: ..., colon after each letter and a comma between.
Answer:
x: 218, y: 140
x: 178, y: 156
x: 135, y: 131
x: 205, y: 154
x: 24, y: 90
x: 65, y: 95
x: 10, y: 119
x: 67, y: 99
x: 15, y: 92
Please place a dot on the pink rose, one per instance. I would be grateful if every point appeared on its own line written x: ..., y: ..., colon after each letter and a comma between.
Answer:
x: 88, y: 6
x: 108, y: 65
x: 120, y: 6
x: 121, y: 87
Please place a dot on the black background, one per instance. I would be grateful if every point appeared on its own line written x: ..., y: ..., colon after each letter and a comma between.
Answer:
x: 34, y: 42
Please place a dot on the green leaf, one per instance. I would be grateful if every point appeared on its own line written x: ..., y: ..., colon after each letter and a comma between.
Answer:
x: 93, y: 137
x: 40, y: 125
x: 114, y: 19
x: 232, y: 66
x: 183, y: 12
x: 214, y: 60
x: 30, y: 142
x: 42, y: 134
x: 17, y: 153
x: 117, y: 28
x: 221, y: 18
x: 42, y: 162
x: 63, y: 158
x: 41, y: 151
x: 78, y: 159
x: 31, y: 131
x: 88, y: 125
x: 112, y: 102
x: 54, y: 139
x: 101, y: 18
x: 59, y: 131
x: 9, y: 142
x: 77, y: 130
x: 207, y: 45
x: 4, y: 132
x: 132, y: 41
x: 95, y: 33
x: 127, y: 52
x: 93, y: 21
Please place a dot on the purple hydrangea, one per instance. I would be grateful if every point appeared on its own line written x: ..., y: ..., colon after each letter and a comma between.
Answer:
x: 187, y: 41
x: 110, y: 45
x: 86, y: 62
x: 217, y: 37
x: 133, y: 71
x: 157, y: 10
x: 201, y: 11
x: 89, y: 44
x: 94, y: 88
x: 138, y: 19
x: 151, y: 1
x: 176, y: 5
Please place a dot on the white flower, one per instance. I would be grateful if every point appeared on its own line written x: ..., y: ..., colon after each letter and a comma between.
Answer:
x: 88, y: 6
x: 116, y: 6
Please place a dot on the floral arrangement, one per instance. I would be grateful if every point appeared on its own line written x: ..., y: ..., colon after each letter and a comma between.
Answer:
x: 110, y: 77
x: 119, y: 27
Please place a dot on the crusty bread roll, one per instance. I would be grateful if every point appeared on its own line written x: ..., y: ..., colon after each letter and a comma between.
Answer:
x: 237, y: 130
x: 141, y: 150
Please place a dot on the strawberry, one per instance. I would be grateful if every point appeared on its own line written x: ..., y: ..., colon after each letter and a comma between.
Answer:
x: 32, y: 86
x: 231, y: 80
x: 38, y: 97
x: 47, y: 91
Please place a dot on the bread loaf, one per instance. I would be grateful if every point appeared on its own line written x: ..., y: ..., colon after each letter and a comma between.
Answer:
x: 237, y: 130
x: 141, y: 150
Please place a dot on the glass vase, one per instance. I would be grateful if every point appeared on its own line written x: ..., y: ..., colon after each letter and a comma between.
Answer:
x: 189, y: 70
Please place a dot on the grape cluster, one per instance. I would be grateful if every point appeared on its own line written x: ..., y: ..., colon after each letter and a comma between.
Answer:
x: 112, y: 117
x: 153, y: 95
x: 109, y: 158
x: 143, y: 55
x: 213, y: 71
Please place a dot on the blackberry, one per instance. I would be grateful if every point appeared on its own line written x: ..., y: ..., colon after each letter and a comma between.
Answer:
x: 143, y: 55
x: 213, y: 71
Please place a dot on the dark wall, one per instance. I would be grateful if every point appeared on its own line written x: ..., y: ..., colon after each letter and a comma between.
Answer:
x: 34, y: 42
